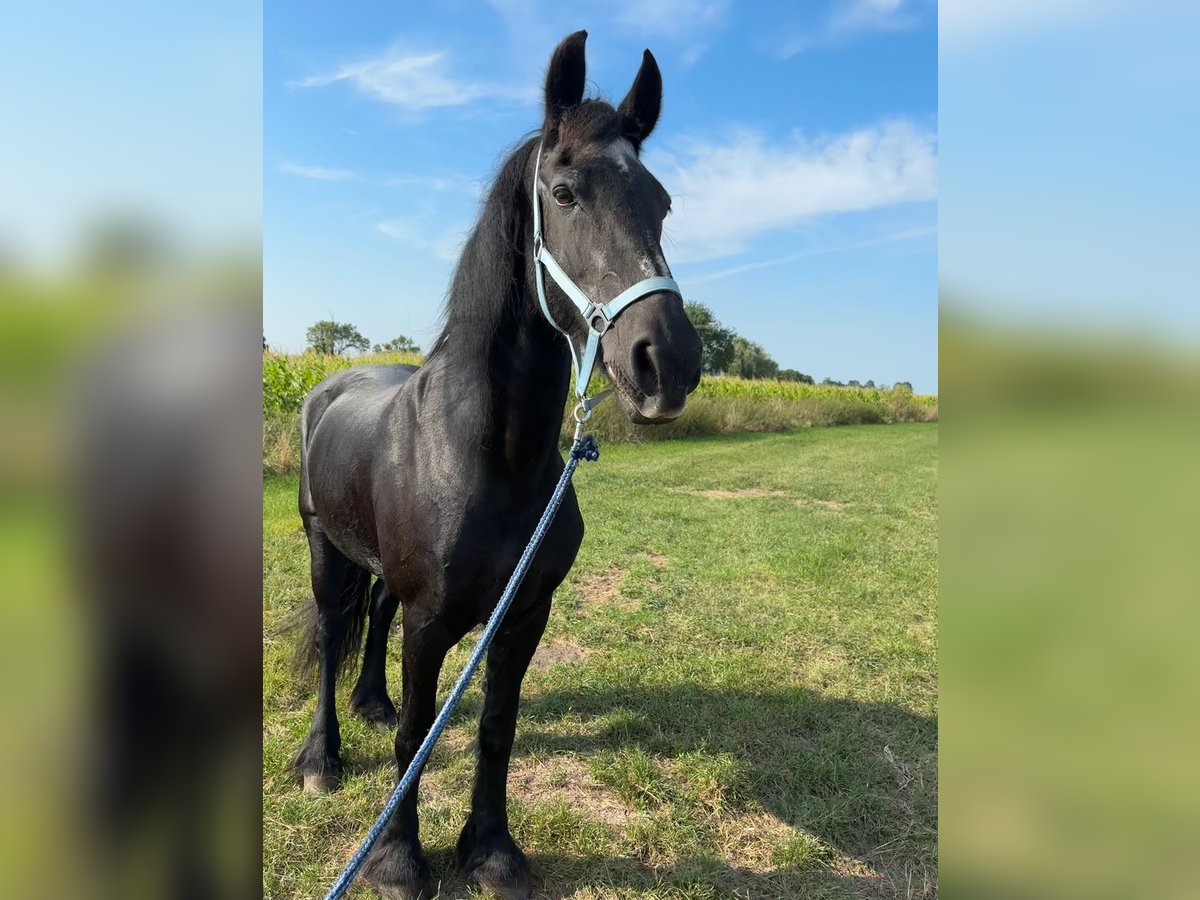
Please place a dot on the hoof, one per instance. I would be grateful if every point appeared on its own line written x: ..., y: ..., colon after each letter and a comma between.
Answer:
x: 320, y: 783
x: 497, y: 866
x: 503, y: 877
x: 380, y: 712
x: 399, y: 873
x: 319, y: 772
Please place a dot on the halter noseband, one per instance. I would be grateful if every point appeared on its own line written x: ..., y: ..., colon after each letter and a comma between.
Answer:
x: 599, y: 317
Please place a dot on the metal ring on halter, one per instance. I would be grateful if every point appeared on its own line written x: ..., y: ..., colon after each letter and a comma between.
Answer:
x: 597, y: 314
x: 587, y: 413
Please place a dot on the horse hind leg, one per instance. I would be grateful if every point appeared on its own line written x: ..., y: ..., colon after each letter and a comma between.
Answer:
x: 370, y: 700
x: 340, y: 588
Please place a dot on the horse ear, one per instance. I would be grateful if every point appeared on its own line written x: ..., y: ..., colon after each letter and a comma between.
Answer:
x: 566, y: 75
x: 641, y: 106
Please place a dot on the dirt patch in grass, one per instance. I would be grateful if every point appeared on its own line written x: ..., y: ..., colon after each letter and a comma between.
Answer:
x: 749, y: 842
x: 738, y: 494
x: 547, y: 656
x: 566, y: 780
x: 458, y: 739
x: 868, y: 883
x: 600, y: 587
x: 900, y: 878
x: 831, y: 505
x: 762, y: 844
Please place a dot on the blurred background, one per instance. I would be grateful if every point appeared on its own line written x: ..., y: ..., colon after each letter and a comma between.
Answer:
x: 1069, y: 481
x: 130, y: 428
x: 130, y: 330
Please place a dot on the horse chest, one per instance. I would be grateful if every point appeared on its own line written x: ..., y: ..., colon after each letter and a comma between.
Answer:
x: 486, y: 550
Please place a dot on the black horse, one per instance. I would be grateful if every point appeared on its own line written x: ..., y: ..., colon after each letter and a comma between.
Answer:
x: 431, y: 479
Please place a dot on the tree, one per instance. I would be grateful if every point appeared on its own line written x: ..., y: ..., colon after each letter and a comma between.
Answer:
x: 793, y: 375
x: 903, y: 384
x: 715, y: 337
x: 399, y: 344
x: 831, y: 383
x: 334, y: 338
x: 751, y: 360
x: 870, y: 383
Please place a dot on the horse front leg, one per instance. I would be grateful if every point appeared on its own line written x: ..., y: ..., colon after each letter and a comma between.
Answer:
x: 486, y: 851
x: 397, y: 868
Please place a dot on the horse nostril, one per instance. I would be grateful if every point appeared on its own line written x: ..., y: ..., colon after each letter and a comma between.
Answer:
x: 645, y: 372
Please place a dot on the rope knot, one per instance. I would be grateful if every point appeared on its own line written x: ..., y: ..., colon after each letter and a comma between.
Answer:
x: 586, y: 448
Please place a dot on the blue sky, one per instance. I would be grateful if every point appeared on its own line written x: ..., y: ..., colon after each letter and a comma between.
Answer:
x: 1069, y: 188
x: 799, y: 142
x: 129, y: 107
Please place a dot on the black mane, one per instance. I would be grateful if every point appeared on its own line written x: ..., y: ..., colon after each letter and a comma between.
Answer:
x: 488, y: 277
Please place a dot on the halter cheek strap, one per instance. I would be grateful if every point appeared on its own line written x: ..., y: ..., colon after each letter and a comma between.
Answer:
x: 598, y: 317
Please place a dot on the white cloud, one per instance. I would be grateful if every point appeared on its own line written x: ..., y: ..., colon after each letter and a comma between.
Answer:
x: 536, y: 26
x: 690, y: 23
x: 911, y: 234
x: 670, y: 17
x: 416, y: 232
x: 849, y: 18
x: 414, y: 81
x: 448, y: 183
x: 318, y: 173
x: 870, y: 15
x: 726, y: 194
x: 440, y: 184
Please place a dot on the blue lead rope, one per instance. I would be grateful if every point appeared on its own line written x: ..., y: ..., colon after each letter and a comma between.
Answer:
x: 583, y: 448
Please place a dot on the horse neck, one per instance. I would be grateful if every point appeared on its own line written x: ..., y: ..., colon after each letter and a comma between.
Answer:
x: 527, y: 375
x: 506, y: 377
x: 505, y: 369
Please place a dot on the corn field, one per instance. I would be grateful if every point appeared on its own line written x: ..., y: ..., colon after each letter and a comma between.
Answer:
x: 720, y: 405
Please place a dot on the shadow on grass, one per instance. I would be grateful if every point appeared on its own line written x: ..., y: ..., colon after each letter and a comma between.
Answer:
x: 561, y: 877
x: 859, y: 776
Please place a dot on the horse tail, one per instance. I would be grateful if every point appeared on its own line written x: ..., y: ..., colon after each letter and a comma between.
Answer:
x: 350, y: 616
x: 304, y: 426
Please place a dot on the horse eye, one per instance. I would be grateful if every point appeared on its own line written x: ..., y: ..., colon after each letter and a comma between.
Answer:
x: 563, y: 197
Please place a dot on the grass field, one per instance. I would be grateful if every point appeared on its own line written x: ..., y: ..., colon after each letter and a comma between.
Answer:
x: 736, y: 695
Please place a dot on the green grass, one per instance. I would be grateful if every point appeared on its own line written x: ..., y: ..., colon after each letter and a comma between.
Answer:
x: 745, y: 696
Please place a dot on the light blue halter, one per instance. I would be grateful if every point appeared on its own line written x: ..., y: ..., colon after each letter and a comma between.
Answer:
x: 599, y: 317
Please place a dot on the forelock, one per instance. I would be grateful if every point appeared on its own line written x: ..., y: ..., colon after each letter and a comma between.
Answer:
x: 589, y: 122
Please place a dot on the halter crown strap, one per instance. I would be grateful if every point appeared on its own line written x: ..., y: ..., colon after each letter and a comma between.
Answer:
x: 598, y: 317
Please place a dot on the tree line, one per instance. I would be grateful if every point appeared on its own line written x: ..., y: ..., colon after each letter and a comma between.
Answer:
x: 334, y: 338
x: 725, y: 351
x: 728, y: 353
